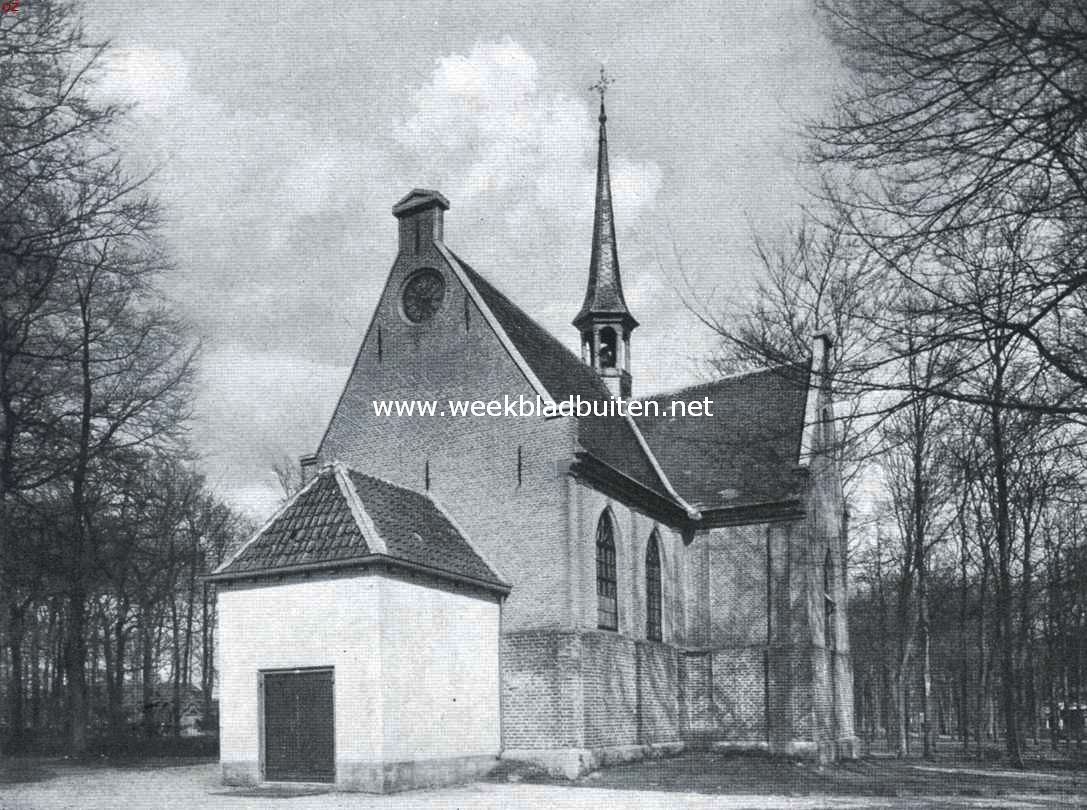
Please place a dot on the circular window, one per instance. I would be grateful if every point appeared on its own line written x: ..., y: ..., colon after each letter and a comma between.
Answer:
x: 423, y: 295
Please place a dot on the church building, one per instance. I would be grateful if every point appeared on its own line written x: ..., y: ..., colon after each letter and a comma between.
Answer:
x: 571, y: 591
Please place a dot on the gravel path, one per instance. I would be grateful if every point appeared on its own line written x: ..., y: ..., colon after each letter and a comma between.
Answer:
x: 54, y: 785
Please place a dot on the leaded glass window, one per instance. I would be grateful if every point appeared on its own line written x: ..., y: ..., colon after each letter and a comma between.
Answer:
x: 653, y: 589
x: 607, y: 591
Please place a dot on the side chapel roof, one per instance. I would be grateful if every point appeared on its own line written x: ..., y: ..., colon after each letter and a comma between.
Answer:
x: 747, y: 452
x: 344, y: 518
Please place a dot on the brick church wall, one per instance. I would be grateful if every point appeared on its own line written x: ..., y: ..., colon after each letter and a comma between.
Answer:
x: 631, y: 691
x: 609, y: 673
x: 592, y: 689
x: 756, y: 672
x: 518, y: 522
x: 541, y: 690
x: 739, y: 693
x: 697, y: 722
x: 658, y: 692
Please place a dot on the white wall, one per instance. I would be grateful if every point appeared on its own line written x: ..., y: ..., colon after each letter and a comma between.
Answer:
x: 440, y: 662
x: 305, y: 623
x: 416, y: 667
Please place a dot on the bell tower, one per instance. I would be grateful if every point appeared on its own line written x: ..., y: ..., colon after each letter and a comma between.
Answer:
x: 604, y: 322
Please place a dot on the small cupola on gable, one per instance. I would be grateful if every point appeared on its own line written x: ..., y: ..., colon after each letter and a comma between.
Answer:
x: 420, y: 214
x: 604, y: 321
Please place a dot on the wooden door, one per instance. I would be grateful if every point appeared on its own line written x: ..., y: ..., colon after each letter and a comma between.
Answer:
x: 299, y: 742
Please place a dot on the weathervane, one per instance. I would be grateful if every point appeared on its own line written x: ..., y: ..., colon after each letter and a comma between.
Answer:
x: 601, y: 87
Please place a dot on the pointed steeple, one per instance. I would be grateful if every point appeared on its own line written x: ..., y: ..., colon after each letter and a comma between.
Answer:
x: 604, y: 321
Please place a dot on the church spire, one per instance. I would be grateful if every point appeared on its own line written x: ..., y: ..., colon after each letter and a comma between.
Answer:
x: 604, y: 321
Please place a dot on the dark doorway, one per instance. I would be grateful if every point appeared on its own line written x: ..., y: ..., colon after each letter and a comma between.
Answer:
x: 298, y: 726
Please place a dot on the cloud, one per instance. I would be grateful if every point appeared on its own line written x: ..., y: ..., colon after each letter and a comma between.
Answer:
x: 487, y: 127
x: 259, y: 408
x: 153, y: 79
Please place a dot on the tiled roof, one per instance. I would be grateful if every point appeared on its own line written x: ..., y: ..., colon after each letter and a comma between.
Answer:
x: 416, y: 530
x: 610, y: 439
x: 747, y: 452
x: 319, y: 527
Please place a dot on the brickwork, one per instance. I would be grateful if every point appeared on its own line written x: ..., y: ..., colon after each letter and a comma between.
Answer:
x: 737, y: 571
x: 519, y: 525
x: 697, y: 720
x: 739, y: 693
x: 658, y: 692
x: 541, y: 690
x: 592, y: 689
x: 609, y: 674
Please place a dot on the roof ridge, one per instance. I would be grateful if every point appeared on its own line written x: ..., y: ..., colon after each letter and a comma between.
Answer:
x: 358, y: 510
x: 726, y: 377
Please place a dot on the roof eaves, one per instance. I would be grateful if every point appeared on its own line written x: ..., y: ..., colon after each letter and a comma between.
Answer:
x: 358, y: 562
x: 267, y: 525
x: 633, y: 484
x: 723, y: 378
x: 489, y: 316
x: 366, y: 526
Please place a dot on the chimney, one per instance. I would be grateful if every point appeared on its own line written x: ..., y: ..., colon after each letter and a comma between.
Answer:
x: 420, y: 215
x: 308, y: 465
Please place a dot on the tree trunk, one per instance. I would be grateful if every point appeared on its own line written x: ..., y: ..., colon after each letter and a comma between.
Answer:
x: 16, y: 692
x: 116, y: 679
x: 175, y: 626
x: 983, y: 658
x: 75, y: 658
x: 147, y: 673
x: 1005, y: 638
x: 207, y: 665
x: 75, y: 650
x: 35, y: 674
x: 964, y: 662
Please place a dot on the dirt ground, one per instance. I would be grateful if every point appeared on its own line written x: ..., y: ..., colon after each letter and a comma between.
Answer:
x: 695, y: 780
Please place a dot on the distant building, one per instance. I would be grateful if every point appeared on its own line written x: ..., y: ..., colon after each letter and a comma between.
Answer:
x: 569, y: 591
x: 158, y: 710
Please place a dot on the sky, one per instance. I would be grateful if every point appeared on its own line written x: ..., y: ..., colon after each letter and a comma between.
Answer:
x: 281, y: 134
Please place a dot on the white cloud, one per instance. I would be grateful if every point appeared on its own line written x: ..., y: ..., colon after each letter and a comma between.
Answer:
x: 485, y: 126
x: 153, y: 79
x: 257, y: 409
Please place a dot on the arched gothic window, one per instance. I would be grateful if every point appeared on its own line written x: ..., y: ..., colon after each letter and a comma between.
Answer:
x: 607, y: 591
x: 653, y: 589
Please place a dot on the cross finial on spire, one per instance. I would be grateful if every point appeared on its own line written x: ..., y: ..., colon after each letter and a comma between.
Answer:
x: 601, y: 87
